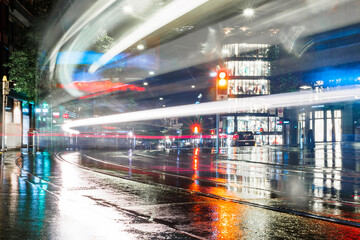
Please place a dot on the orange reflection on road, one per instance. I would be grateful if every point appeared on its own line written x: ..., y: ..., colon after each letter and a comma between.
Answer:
x: 226, y: 220
x: 195, y: 185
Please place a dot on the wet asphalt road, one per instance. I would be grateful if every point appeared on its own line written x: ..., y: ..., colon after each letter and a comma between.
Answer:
x: 245, y: 193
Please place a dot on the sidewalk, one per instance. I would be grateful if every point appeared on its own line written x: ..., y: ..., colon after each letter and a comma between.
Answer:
x: 66, y: 202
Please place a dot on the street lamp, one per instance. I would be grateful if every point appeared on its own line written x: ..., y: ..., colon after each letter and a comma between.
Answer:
x: 249, y: 12
x: 128, y: 10
x: 305, y: 87
x: 140, y: 47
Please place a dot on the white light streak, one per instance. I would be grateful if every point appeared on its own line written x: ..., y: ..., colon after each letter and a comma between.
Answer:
x: 231, y: 106
x: 169, y: 13
x: 93, y: 12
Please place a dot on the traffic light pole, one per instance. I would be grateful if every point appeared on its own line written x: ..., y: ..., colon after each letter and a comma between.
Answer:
x: 3, y: 124
x: 217, y: 133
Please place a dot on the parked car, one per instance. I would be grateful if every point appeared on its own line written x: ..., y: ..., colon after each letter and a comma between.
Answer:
x: 244, y: 139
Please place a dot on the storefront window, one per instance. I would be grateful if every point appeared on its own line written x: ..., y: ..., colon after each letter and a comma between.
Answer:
x: 252, y: 123
x: 245, y: 50
x: 231, y: 125
x: 17, y: 112
x: 337, y: 113
x: 319, y: 126
x: 272, y: 123
x: 301, y: 127
x: 249, y: 68
x: 337, y: 122
x: 248, y: 87
x: 328, y: 126
x: 275, y: 140
x: 279, y: 127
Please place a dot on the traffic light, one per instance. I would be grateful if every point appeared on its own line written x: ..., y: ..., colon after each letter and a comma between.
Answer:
x: 7, y: 85
x: 222, y: 84
x: 212, y: 131
x: 12, y: 84
x: 196, y: 129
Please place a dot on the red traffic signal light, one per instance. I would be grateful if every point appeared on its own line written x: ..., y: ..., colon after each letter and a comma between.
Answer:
x: 212, y: 131
x: 196, y: 129
x: 222, y: 82
x: 261, y: 130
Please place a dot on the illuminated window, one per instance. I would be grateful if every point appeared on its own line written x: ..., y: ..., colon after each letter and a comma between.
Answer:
x: 337, y: 122
x: 328, y: 126
x: 248, y: 68
x: 231, y: 124
x: 245, y: 50
x: 319, y: 126
x: 252, y: 123
x: 249, y: 87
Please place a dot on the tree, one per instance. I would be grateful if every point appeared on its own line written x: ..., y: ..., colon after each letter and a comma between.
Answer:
x: 23, y: 65
x: 103, y: 43
x: 23, y: 70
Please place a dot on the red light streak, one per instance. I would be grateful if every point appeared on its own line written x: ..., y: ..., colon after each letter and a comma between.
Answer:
x: 100, y: 87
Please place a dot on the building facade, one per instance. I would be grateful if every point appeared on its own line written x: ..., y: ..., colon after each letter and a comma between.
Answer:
x: 249, y: 65
x: 14, y: 18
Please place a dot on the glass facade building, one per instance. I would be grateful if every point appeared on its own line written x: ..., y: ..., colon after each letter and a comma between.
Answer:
x: 249, y: 67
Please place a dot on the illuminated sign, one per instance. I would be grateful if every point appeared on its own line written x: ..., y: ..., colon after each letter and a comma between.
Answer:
x: 71, y: 114
x: 65, y: 115
x: 38, y: 110
x: 317, y: 106
x: 56, y: 114
x: 45, y: 110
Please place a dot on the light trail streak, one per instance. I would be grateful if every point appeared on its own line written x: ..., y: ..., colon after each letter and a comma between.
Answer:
x: 220, y: 107
x: 103, y: 15
x: 169, y: 13
x: 92, y: 13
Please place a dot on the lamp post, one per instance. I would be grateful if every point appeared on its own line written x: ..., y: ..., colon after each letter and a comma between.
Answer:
x: 5, y: 91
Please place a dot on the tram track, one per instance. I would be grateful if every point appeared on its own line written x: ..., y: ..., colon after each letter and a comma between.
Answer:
x: 279, y: 194
x: 169, y: 224
x: 217, y: 197
x: 284, y: 168
x: 234, y: 162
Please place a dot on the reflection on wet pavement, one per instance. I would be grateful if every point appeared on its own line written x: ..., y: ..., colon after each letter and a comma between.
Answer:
x: 55, y: 199
x: 322, y: 182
